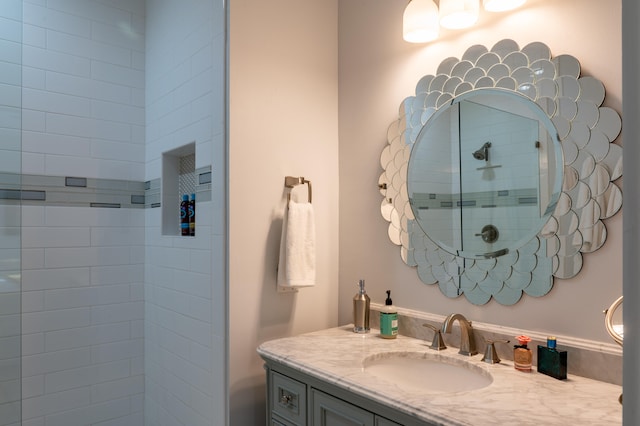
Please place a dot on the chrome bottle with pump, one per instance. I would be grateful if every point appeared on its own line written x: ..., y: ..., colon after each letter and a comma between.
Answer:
x: 361, y: 304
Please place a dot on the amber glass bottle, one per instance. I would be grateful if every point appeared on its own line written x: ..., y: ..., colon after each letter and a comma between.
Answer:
x: 522, y: 354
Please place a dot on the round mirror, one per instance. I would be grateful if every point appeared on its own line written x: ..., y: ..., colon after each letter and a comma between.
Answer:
x: 536, y: 88
x: 485, y: 173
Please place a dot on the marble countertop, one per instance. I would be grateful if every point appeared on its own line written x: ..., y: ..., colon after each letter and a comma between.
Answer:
x: 337, y: 356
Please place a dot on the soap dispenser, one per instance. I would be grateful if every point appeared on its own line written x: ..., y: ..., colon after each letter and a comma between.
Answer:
x: 361, y: 304
x: 388, y: 319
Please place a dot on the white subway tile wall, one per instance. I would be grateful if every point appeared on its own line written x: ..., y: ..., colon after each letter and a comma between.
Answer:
x: 81, y: 88
x: 184, y: 294
x: 83, y: 348
x: 120, y: 325
x: 10, y: 124
x: 83, y: 268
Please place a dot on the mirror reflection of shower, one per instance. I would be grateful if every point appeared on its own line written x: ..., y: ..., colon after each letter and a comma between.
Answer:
x: 483, y: 152
x: 475, y: 163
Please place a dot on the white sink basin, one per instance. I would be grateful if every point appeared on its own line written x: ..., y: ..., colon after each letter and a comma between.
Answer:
x: 426, y: 372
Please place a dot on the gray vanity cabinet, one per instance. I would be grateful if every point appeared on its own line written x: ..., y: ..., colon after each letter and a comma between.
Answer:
x: 297, y: 399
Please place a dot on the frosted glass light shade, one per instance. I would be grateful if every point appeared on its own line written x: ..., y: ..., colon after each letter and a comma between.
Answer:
x: 458, y: 14
x: 502, y: 5
x: 420, y: 21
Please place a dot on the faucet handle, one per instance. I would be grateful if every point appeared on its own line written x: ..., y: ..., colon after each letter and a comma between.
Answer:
x: 438, y: 342
x: 490, y: 354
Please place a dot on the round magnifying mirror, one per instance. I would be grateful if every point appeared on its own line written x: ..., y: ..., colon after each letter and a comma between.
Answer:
x: 613, y: 321
x: 485, y: 173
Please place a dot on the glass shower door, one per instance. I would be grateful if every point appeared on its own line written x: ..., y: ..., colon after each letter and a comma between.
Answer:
x: 10, y: 210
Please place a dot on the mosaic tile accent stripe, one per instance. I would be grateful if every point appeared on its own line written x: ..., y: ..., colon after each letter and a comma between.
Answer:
x: 203, y: 183
x: 501, y: 198
x: 74, y: 191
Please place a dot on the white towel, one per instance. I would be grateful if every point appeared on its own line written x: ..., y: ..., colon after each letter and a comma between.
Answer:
x: 297, y: 264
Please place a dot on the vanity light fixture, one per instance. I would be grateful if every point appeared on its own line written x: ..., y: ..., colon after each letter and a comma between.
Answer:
x: 501, y: 5
x: 420, y: 21
x: 459, y: 14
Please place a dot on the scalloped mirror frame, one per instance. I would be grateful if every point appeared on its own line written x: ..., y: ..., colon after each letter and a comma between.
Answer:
x: 592, y: 164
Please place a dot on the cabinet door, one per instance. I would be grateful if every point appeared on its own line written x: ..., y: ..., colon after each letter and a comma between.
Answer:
x: 330, y: 411
x: 275, y: 422
x: 381, y: 421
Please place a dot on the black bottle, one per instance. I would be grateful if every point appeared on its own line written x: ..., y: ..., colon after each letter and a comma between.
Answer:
x: 551, y: 361
x: 184, y: 215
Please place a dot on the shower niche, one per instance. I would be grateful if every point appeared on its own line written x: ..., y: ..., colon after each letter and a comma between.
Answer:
x: 181, y: 176
x: 178, y: 180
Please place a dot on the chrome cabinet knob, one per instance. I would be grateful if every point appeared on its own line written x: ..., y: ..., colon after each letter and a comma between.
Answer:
x: 285, y: 399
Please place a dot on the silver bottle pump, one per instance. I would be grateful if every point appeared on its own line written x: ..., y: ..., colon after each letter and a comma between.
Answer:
x: 361, y: 302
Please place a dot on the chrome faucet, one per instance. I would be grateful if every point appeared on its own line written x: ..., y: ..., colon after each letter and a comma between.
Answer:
x: 467, y: 343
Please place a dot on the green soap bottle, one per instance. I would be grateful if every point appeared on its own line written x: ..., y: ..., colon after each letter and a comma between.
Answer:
x: 389, y: 319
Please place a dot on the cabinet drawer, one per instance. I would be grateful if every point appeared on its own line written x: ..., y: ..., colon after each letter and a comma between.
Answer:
x: 289, y: 398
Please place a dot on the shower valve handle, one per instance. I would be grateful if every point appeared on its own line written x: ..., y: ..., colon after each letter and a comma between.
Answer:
x: 489, y: 234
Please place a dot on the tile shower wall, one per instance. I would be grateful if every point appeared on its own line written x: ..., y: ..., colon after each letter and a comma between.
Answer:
x: 83, y: 267
x: 82, y: 315
x: 10, y: 123
x: 185, y: 322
